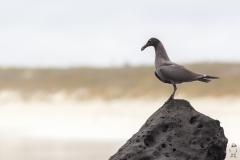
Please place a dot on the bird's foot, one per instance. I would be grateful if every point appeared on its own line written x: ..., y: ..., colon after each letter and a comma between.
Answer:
x: 169, y: 99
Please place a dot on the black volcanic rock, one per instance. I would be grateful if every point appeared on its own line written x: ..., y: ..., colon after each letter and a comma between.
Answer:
x: 176, y: 131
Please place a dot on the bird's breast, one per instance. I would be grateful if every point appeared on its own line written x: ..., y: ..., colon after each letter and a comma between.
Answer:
x: 160, y: 77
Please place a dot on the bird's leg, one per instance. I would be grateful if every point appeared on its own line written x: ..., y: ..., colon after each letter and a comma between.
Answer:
x: 175, y: 88
x: 172, y: 95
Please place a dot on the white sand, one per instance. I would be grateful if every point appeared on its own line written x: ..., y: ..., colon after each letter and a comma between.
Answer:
x: 91, y: 130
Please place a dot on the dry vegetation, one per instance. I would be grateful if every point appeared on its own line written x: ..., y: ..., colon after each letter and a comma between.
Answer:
x: 108, y: 83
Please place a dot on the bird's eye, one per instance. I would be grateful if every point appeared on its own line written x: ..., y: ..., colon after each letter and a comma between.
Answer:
x: 149, y: 41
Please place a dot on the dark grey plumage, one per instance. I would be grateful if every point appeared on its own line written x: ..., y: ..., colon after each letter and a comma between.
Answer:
x: 170, y: 72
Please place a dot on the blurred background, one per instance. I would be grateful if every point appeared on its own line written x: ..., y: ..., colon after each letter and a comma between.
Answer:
x: 75, y: 85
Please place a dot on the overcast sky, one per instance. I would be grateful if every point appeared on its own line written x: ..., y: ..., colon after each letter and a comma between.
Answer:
x: 65, y: 33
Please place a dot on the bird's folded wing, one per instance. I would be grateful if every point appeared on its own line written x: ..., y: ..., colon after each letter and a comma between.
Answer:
x: 177, y: 73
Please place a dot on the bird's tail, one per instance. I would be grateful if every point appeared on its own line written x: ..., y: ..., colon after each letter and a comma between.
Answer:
x: 207, y: 78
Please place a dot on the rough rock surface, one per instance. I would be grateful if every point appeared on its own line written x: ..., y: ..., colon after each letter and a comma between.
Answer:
x: 176, y: 131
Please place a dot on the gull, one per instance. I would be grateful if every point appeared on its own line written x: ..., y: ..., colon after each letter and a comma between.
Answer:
x: 170, y: 72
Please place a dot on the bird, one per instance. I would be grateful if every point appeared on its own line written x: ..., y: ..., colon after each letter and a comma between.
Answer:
x: 170, y: 72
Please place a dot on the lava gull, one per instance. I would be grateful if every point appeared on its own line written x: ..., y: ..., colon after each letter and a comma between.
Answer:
x: 170, y: 72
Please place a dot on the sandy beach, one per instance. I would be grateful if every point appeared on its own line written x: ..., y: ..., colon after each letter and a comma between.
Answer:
x: 93, y: 129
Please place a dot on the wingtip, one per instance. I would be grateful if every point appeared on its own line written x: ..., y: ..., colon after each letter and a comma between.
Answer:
x: 211, y: 77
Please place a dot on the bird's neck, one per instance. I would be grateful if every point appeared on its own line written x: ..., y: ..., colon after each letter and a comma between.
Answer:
x: 160, y: 55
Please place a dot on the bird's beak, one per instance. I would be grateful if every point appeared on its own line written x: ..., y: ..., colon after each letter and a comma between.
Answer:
x: 145, y: 46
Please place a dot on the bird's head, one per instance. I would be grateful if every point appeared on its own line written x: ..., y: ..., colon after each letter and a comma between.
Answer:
x: 151, y: 42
